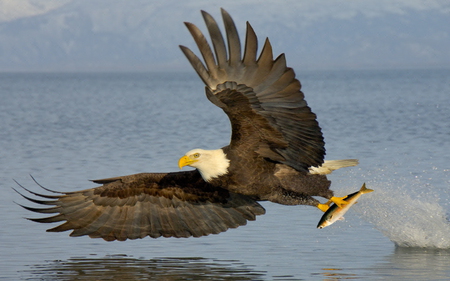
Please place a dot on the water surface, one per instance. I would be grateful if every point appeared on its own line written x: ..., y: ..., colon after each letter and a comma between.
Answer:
x: 67, y: 128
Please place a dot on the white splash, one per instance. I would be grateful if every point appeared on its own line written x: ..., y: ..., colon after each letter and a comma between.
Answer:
x: 409, y: 212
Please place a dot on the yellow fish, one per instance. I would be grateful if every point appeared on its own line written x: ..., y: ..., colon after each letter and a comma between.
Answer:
x: 335, y: 212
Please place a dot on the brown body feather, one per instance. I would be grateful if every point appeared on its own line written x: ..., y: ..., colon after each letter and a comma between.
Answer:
x: 275, y: 140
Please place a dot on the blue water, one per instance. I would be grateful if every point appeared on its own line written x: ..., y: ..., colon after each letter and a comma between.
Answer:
x: 67, y: 128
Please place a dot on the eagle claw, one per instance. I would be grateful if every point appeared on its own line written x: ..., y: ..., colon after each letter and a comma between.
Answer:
x: 324, y: 207
x: 339, y: 201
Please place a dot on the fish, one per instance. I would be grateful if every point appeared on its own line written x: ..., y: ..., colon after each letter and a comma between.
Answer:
x: 335, y: 212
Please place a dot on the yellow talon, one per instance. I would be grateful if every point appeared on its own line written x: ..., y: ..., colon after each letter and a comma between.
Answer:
x: 323, y: 207
x: 339, y: 201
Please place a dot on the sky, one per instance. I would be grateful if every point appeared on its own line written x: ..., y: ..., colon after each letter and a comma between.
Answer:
x: 143, y: 35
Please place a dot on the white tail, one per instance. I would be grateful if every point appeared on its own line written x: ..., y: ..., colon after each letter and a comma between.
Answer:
x: 330, y: 165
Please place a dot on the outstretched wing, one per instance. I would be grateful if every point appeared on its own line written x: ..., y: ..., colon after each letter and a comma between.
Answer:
x: 148, y: 204
x: 261, y: 96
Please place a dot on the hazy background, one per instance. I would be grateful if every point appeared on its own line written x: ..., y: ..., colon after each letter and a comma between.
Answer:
x: 143, y: 35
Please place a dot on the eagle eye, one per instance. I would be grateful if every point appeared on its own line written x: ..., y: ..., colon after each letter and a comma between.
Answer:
x: 196, y: 155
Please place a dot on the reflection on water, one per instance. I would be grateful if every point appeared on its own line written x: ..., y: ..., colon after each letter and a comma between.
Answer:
x: 331, y: 274
x: 122, y: 267
x: 407, y: 263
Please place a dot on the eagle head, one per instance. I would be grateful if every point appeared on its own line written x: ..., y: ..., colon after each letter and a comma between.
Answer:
x: 210, y: 163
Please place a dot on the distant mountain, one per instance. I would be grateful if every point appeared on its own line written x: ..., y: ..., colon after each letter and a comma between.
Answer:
x: 141, y: 35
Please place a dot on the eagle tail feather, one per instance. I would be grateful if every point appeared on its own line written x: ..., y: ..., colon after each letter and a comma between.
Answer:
x: 330, y: 165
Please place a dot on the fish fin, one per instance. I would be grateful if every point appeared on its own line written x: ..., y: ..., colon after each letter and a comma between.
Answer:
x: 342, y: 219
x: 364, y: 190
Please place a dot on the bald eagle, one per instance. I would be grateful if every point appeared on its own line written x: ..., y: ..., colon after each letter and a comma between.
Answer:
x: 276, y: 154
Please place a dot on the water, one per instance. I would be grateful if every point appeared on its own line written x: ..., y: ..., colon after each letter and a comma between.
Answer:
x: 66, y: 128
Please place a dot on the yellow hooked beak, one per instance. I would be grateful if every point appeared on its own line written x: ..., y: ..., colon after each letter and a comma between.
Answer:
x: 185, y: 161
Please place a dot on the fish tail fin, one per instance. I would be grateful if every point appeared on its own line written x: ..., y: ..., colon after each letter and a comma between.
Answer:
x: 329, y: 166
x: 364, y: 190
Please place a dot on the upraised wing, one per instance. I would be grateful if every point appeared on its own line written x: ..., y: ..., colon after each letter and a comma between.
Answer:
x: 261, y: 96
x: 148, y: 204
